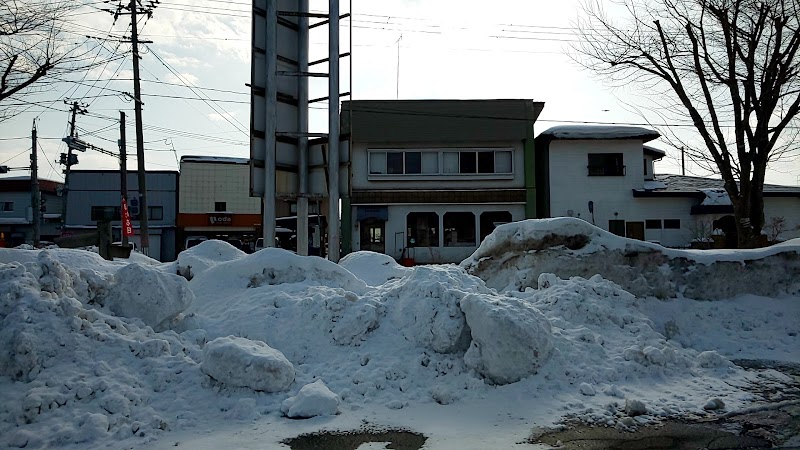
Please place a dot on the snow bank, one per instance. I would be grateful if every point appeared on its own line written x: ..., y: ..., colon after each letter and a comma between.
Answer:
x: 314, y: 399
x: 148, y: 294
x: 201, y: 257
x: 241, y: 362
x: 374, y: 268
x: 510, y: 338
x: 515, y: 254
x: 73, y: 375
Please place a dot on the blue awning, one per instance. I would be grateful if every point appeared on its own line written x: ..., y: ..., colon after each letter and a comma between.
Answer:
x: 373, y: 212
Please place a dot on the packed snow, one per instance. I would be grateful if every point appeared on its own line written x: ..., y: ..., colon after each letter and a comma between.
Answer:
x: 221, y: 349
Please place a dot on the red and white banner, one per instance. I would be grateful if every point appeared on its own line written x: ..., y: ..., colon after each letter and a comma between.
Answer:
x: 127, y: 226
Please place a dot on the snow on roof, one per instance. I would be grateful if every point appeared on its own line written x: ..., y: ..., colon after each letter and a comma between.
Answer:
x: 600, y: 132
x: 682, y: 185
x: 215, y: 159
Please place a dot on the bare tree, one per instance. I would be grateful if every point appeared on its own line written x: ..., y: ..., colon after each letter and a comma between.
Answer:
x: 33, y: 44
x: 726, y: 68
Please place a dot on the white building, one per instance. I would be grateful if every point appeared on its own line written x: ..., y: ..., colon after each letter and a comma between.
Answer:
x: 429, y: 179
x: 605, y: 175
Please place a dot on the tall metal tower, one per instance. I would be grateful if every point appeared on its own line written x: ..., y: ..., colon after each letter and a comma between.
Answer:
x: 287, y: 162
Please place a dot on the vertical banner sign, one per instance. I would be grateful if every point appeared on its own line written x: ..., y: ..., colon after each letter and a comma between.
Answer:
x: 127, y: 227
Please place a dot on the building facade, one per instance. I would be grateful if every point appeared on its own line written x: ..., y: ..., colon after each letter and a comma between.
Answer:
x: 605, y: 175
x: 16, y: 215
x: 429, y: 179
x: 215, y: 203
x: 95, y: 194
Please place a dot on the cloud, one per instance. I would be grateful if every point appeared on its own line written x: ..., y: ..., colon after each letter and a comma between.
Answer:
x: 183, y: 79
x: 224, y: 117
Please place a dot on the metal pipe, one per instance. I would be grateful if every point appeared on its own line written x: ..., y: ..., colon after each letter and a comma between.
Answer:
x: 333, y: 132
x: 271, y: 110
x: 302, y: 127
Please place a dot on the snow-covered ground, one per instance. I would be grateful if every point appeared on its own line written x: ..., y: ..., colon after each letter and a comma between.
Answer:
x: 216, y: 349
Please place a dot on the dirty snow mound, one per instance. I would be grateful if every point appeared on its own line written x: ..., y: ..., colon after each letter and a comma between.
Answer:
x: 241, y: 362
x: 515, y: 254
x: 374, y: 268
x: 312, y: 400
x: 510, y: 338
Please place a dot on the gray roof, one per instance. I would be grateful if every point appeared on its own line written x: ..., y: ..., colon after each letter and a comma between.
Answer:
x: 657, y: 152
x: 687, y: 186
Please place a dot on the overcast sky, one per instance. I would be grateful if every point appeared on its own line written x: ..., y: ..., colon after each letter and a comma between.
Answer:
x: 465, y: 49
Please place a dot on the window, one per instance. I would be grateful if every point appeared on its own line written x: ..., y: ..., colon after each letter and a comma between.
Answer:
x: 377, y: 162
x: 413, y: 162
x: 645, y: 166
x: 652, y: 224
x: 394, y: 163
x: 606, y: 164
x: 468, y: 162
x: 105, y: 213
x: 672, y: 224
x: 220, y: 206
x: 428, y: 162
x: 8, y: 206
x: 459, y: 229
x: 423, y: 229
x: 155, y: 212
x: 491, y: 220
x: 617, y: 227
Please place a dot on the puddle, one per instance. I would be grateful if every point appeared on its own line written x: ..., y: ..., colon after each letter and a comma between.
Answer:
x: 668, y: 435
x: 352, y: 440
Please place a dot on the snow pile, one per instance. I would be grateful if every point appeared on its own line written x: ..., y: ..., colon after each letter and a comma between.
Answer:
x: 73, y: 374
x: 373, y: 268
x: 207, y: 254
x: 148, y: 294
x: 241, y: 362
x: 314, y: 399
x: 510, y: 339
x: 515, y: 254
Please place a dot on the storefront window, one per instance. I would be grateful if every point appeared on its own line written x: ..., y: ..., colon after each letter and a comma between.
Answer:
x: 423, y: 229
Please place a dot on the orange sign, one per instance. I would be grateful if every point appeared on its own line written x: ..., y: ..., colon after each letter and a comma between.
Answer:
x: 127, y: 226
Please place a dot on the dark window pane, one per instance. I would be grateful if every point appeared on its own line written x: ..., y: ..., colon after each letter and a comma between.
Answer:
x: 485, y: 162
x: 413, y: 162
x: 606, y: 164
x: 394, y: 163
x: 652, y: 224
x: 156, y: 213
x: 617, y: 227
x: 423, y: 229
x: 468, y: 162
x: 459, y: 229
x: 491, y: 220
x: 220, y: 206
x: 673, y: 224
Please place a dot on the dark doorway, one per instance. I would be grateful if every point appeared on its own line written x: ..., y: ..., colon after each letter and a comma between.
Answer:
x: 634, y: 230
x: 373, y: 235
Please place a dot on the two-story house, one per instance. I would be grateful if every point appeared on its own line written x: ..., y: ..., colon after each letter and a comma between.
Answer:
x: 605, y: 175
x: 16, y: 215
x: 429, y: 179
x: 93, y: 194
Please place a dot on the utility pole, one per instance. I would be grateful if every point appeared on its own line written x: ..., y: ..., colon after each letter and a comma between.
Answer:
x: 683, y: 161
x: 65, y: 191
x: 333, y: 132
x: 137, y: 94
x: 133, y: 8
x: 35, y: 198
x: 123, y: 169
